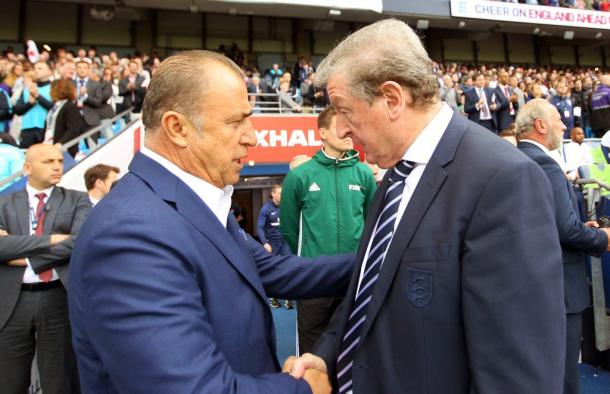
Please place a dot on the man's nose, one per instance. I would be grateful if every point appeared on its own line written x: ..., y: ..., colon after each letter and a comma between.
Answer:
x: 249, y: 136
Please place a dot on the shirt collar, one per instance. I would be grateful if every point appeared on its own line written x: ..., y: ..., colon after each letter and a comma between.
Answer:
x: 538, y: 144
x: 423, y: 147
x: 218, y: 200
x: 32, y: 192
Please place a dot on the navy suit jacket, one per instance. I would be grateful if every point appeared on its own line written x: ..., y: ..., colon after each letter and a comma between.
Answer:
x: 167, y: 300
x: 492, y: 95
x: 577, y: 240
x: 503, y: 110
x: 469, y: 295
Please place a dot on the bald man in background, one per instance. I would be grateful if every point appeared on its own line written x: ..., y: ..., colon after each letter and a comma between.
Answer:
x: 38, y: 226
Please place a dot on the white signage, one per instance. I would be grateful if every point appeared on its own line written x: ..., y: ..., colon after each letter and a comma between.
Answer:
x: 524, y: 13
x: 371, y: 5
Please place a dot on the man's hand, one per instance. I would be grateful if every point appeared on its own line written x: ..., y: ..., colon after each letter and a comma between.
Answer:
x: 592, y: 223
x: 3, y: 233
x: 267, y: 247
x: 297, y: 366
x: 17, y: 263
x: 57, y: 238
x: 318, y: 382
x: 312, y: 369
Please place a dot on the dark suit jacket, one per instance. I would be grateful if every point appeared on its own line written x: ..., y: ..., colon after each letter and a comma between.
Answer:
x: 96, y: 107
x: 576, y: 239
x: 492, y: 95
x: 139, y: 93
x: 165, y: 299
x: 467, y: 297
x: 69, y: 125
x: 66, y: 212
x: 503, y: 110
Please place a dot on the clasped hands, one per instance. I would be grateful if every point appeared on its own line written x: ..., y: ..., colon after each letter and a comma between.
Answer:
x: 312, y: 369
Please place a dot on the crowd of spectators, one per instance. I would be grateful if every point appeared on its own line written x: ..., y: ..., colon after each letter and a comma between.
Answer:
x: 598, y: 5
x: 576, y: 92
x: 56, y: 96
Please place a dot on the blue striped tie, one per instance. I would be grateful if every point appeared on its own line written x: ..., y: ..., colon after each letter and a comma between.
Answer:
x: 379, y: 246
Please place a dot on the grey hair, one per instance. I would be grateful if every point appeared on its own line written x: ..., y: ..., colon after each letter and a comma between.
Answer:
x: 180, y: 84
x: 534, y: 109
x: 388, y: 50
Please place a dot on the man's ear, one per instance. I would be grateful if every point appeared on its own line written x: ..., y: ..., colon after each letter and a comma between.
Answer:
x: 396, y: 98
x: 27, y: 168
x: 323, y: 133
x: 175, y: 126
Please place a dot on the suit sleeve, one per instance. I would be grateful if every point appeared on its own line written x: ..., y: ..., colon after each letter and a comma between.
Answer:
x: 159, y: 322
x: 60, y: 253
x: 260, y: 225
x: 95, y: 100
x: 290, y: 211
x: 501, y: 100
x: 572, y: 231
x: 469, y: 105
x: 293, y: 277
x: 512, y: 286
x: 19, y: 247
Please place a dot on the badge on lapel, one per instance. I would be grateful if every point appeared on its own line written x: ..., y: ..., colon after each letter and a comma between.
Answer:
x: 419, y: 287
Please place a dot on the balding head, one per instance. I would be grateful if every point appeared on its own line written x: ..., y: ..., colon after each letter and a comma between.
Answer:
x: 43, y: 166
x: 605, y: 79
x: 539, y: 120
x: 577, y: 135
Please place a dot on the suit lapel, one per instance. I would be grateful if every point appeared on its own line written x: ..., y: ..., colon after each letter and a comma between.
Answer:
x: 52, y: 206
x: 22, y: 205
x: 427, y: 188
x: 170, y: 188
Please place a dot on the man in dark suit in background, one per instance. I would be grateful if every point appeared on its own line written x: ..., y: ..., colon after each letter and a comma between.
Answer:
x: 458, y: 273
x: 41, y: 223
x: 508, y: 109
x: 92, y: 96
x: 131, y: 88
x: 540, y: 129
x: 483, y: 103
x: 169, y: 295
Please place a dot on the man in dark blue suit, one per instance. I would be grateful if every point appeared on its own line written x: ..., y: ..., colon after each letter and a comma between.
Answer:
x: 170, y: 295
x: 540, y: 129
x: 458, y: 273
x: 482, y: 104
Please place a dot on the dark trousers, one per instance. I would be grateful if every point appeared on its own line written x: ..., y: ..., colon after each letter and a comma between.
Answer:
x: 489, y: 125
x: 312, y: 319
x: 571, y: 380
x: 29, y: 137
x: 39, y: 325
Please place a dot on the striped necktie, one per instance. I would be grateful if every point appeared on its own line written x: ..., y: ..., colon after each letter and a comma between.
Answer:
x: 381, y: 240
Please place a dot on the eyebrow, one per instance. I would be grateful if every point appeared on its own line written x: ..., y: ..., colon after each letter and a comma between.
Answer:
x: 241, y: 116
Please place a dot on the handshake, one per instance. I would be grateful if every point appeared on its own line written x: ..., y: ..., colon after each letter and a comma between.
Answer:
x: 312, y: 369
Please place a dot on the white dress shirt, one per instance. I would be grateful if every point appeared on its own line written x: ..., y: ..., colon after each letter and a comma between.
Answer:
x: 29, y: 276
x: 577, y: 155
x: 419, y: 152
x: 218, y: 200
